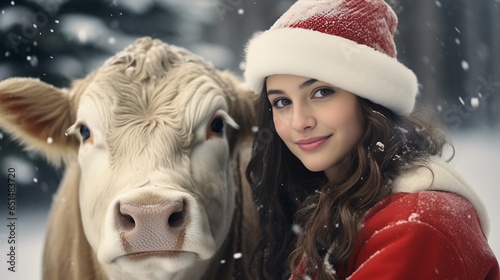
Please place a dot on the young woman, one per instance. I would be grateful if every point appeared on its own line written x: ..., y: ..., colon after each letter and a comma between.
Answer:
x: 347, y: 182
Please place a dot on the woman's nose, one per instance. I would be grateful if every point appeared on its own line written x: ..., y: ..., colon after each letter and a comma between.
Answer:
x: 302, y: 119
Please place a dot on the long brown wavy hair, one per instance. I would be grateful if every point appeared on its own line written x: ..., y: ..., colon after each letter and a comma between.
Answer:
x: 301, y: 213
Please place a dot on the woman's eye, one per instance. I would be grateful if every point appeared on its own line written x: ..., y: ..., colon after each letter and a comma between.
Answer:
x: 322, y: 92
x: 84, y: 132
x: 280, y: 103
x: 217, y: 125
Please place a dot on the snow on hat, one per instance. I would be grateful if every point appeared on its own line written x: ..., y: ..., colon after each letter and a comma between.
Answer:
x: 346, y: 43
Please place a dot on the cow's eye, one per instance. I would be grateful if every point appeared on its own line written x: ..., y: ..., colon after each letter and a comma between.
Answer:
x: 216, y: 128
x: 217, y: 125
x: 84, y: 132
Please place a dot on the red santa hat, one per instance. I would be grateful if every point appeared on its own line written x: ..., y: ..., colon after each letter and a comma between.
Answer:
x: 346, y: 43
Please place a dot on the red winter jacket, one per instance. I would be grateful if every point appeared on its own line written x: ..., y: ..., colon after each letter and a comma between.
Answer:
x: 426, y: 234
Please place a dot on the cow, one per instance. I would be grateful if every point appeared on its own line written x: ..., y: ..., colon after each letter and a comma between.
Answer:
x: 154, y: 144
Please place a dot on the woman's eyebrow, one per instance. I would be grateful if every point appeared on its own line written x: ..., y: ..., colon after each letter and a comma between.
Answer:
x: 307, y: 83
x: 301, y: 86
x: 274, y: 91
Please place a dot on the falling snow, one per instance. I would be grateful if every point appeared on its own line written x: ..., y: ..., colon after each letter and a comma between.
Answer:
x: 237, y: 255
x: 242, y: 66
x: 461, y: 100
x: 380, y: 146
x: 474, y: 102
x: 33, y: 60
x: 465, y: 65
x: 296, y: 229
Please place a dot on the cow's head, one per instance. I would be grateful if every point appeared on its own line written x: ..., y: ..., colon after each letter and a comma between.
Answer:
x: 154, y: 131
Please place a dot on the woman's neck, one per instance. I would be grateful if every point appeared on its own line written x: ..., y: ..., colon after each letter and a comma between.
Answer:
x: 331, y: 173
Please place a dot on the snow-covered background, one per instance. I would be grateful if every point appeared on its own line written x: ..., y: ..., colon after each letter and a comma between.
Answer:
x: 453, y: 47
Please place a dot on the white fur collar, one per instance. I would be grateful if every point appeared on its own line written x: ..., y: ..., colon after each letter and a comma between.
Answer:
x: 445, y: 179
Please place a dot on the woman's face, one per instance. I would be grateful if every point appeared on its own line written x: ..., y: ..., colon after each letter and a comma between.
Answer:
x: 318, y: 122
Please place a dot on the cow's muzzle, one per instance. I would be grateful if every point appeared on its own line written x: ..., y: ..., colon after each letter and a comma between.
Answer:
x: 152, y: 229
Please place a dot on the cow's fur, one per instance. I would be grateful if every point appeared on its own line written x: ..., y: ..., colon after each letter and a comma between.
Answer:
x: 149, y: 110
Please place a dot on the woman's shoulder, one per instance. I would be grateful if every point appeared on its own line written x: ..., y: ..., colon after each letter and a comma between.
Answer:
x: 439, y: 230
x: 444, y: 211
x: 446, y: 184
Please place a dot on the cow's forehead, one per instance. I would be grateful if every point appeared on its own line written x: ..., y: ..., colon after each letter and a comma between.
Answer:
x: 183, y: 97
x: 151, y: 76
x: 147, y: 58
x: 151, y: 92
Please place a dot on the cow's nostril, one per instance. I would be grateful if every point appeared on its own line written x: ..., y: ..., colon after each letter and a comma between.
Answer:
x: 136, y: 218
x: 126, y: 220
x: 129, y: 221
x: 176, y: 219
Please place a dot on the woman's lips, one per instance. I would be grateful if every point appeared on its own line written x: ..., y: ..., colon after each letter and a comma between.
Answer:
x: 310, y: 144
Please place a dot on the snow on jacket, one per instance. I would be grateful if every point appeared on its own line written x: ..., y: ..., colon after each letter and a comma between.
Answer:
x: 431, y: 227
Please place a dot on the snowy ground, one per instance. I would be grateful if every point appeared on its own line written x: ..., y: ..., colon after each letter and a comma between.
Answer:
x: 478, y: 158
x: 30, y: 232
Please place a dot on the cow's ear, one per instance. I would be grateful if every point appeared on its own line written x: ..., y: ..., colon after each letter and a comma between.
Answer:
x: 37, y: 115
x: 242, y: 106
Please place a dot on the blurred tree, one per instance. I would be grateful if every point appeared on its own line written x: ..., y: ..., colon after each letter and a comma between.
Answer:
x: 60, y: 40
x: 454, y: 48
